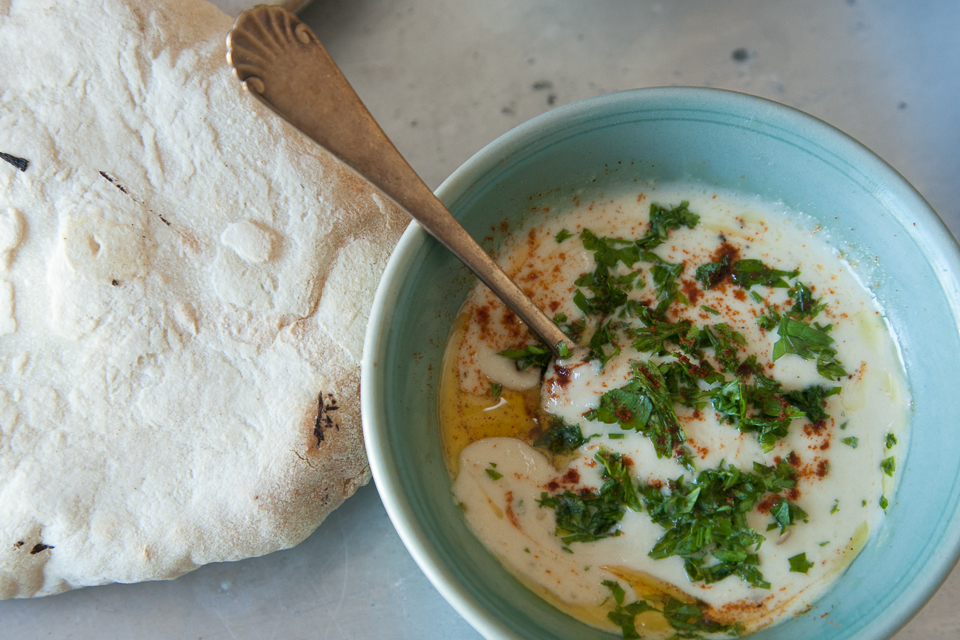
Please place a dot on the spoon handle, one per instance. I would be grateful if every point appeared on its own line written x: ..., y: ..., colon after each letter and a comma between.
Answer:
x: 281, y: 62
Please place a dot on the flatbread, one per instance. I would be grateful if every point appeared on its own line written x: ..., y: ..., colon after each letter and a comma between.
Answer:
x: 184, y: 287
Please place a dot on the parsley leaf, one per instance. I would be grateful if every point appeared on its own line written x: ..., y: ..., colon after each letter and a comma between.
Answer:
x: 618, y: 486
x: 889, y: 465
x: 769, y: 320
x: 890, y: 440
x: 603, y: 336
x: 756, y: 407
x: 562, y: 235
x: 572, y: 329
x: 799, y: 563
x: 609, y: 291
x: 493, y: 473
x: 654, y: 337
x: 644, y: 404
x: 812, y: 401
x: 663, y: 220
x: 683, y: 380
x: 587, y: 515
x: 808, y: 341
x: 748, y: 273
x: 665, y: 276
x: 786, y: 513
x: 852, y: 441
x: 828, y: 366
x: 804, y: 305
x: 800, y: 338
x: 726, y: 343
x: 583, y: 516
x: 532, y: 355
x: 711, y: 273
x: 560, y: 437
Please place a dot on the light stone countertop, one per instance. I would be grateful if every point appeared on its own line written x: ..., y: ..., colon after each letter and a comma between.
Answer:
x: 444, y: 78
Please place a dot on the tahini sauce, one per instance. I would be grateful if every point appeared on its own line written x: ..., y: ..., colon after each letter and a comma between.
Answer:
x: 839, y: 486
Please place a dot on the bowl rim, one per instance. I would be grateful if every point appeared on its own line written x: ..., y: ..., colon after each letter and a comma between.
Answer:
x: 514, y: 141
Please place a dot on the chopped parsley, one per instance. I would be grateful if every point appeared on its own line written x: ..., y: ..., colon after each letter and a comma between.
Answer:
x: 492, y: 471
x: 644, y: 404
x: 890, y: 441
x: 749, y: 273
x: 711, y: 273
x: 786, y: 513
x: 804, y: 304
x: 658, y: 334
x: 663, y: 220
x: 851, y: 442
x: 617, y: 486
x: 609, y: 291
x: 756, y: 406
x: 532, y: 355
x: 589, y: 515
x: 574, y: 330
x: 808, y: 341
x: 889, y: 465
x: 665, y: 276
x: 812, y: 401
x: 583, y: 516
x: 686, y: 618
x: 604, y: 336
x: 495, y: 390
x: 770, y: 320
x: 560, y: 437
x: 705, y: 521
x: 726, y: 343
x: 799, y: 563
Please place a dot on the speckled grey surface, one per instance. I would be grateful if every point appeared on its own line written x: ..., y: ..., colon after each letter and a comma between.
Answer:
x: 444, y: 78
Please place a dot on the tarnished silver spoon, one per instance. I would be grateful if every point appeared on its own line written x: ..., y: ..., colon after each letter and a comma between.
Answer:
x: 281, y: 62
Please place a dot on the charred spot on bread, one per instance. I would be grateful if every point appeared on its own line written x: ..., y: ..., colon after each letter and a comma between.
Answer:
x: 109, y: 178
x: 326, y: 406
x: 37, y: 548
x: 19, y: 163
x: 18, y: 544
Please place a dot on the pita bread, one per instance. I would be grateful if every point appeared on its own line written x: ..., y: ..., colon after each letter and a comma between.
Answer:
x: 184, y: 287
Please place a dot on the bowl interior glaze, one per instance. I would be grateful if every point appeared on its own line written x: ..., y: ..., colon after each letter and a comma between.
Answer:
x: 731, y: 141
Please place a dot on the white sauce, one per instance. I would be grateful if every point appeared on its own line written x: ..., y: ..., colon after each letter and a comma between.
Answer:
x: 842, y: 501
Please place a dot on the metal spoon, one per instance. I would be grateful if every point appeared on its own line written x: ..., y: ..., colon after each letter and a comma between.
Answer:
x: 281, y: 62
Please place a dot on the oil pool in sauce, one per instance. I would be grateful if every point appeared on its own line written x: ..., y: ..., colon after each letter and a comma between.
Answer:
x: 721, y: 444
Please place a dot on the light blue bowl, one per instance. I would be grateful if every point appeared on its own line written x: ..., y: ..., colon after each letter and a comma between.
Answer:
x: 731, y: 141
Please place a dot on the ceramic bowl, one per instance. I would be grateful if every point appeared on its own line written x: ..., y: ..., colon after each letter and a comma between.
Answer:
x: 732, y: 141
